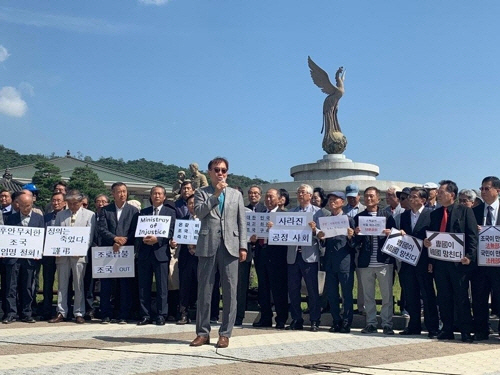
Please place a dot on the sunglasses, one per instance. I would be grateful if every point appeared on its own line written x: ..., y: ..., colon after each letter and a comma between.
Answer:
x: 219, y: 170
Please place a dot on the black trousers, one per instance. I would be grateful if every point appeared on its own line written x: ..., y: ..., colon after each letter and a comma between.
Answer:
x: 483, y: 281
x: 23, y: 272
x: 188, y: 283
x: 242, y: 289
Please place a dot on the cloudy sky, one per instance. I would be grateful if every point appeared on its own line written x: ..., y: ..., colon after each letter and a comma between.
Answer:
x: 184, y: 80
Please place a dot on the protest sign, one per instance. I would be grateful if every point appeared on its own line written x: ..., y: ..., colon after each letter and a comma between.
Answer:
x: 448, y: 247
x: 108, y: 264
x: 153, y: 225
x: 405, y: 248
x: 66, y: 241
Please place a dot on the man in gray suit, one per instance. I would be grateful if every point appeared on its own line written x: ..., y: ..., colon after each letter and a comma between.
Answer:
x: 221, y: 243
x: 74, y: 216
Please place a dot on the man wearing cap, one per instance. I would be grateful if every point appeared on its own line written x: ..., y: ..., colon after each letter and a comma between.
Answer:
x: 339, y: 267
x: 432, y: 202
x: 353, y: 207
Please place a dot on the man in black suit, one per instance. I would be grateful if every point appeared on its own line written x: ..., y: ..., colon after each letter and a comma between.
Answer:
x: 272, y: 275
x: 339, y: 267
x: 485, y: 278
x: 416, y: 280
x: 452, y: 279
x: 254, y: 195
x: 154, y: 257
x: 115, y: 229
x: 21, y: 269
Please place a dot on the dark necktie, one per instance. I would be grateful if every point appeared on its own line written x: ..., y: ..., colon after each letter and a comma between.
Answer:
x: 489, y: 216
x: 155, y: 212
x: 444, y: 220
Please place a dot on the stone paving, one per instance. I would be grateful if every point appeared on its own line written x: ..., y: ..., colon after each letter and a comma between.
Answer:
x: 92, y: 348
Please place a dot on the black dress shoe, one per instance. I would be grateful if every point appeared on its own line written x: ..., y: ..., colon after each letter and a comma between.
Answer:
x: 432, y: 334
x: 144, y: 321
x: 8, y: 320
x: 481, y: 336
x: 467, y: 337
x: 296, y: 325
x: 446, y: 336
x: 160, y: 321
x: 28, y: 319
x: 261, y: 324
x: 335, y: 328
x: 408, y: 332
x: 314, y: 326
x: 280, y: 325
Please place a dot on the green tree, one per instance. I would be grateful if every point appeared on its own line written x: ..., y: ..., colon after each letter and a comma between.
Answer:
x: 45, y: 178
x: 88, y: 182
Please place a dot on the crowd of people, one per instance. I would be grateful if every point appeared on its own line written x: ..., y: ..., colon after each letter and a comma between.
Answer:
x: 223, y: 256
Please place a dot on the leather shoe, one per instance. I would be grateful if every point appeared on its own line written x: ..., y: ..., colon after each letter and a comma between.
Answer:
x: 9, y: 319
x: 58, y: 319
x: 408, y: 332
x: 223, y: 342
x: 28, y: 319
x: 160, y: 321
x: 200, y: 340
x: 432, y: 334
x: 261, y: 324
x: 280, y: 325
x: 314, y: 326
x: 296, y: 325
x: 446, y: 336
x: 467, y: 337
x: 183, y: 320
x: 144, y: 321
x: 481, y: 336
x: 80, y: 320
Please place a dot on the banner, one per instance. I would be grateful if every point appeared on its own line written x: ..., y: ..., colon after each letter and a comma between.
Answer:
x: 291, y: 228
x: 333, y: 226
x: 488, y: 251
x: 257, y: 224
x: 371, y: 225
x: 21, y: 242
x: 66, y: 241
x: 186, y: 231
x: 446, y: 246
x: 152, y: 225
x: 405, y: 248
x: 108, y: 264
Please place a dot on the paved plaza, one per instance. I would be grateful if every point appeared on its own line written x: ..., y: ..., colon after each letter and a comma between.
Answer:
x: 93, y: 348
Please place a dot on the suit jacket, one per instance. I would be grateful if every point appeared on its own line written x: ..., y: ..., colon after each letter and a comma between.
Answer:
x: 365, y: 243
x: 230, y: 226
x: 84, y: 218
x: 161, y: 249
x: 421, y: 226
x: 109, y: 226
x: 310, y: 254
x: 460, y: 220
x: 36, y: 221
x: 479, y: 214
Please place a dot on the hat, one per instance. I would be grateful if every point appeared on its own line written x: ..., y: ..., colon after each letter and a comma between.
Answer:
x: 30, y: 187
x: 406, y: 191
x: 352, y: 190
x: 337, y: 194
x: 430, y: 185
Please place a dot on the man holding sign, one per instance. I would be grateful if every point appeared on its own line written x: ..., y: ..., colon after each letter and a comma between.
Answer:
x: 339, y: 265
x: 486, y: 278
x: 416, y: 281
x: 153, y: 257
x: 452, y: 278
x: 74, y: 216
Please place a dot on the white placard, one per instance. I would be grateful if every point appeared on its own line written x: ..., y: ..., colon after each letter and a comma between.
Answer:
x: 108, y: 264
x: 66, y: 241
x: 290, y: 228
x: 405, y: 248
x: 21, y: 242
x: 371, y: 225
x: 488, y: 250
x: 448, y: 247
x: 186, y: 231
x: 257, y: 224
x: 153, y: 225
x: 333, y: 226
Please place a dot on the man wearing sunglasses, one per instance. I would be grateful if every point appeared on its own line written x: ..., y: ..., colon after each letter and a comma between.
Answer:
x: 221, y: 243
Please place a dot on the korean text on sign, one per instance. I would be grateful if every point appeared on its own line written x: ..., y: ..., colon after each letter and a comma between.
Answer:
x: 405, y: 248
x: 333, y: 226
x: 158, y: 226
x: 21, y: 242
x: 66, y: 241
x: 488, y: 251
x: 108, y: 264
x: 186, y: 231
x: 291, y: 228
x: 448, y: 247
x: 257, y: 224
x: 371, y: 225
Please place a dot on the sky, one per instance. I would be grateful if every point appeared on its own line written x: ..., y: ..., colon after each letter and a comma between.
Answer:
x: 179, y: 81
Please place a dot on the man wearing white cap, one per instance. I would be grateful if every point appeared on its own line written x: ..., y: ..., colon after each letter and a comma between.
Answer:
x: 431, y: 188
